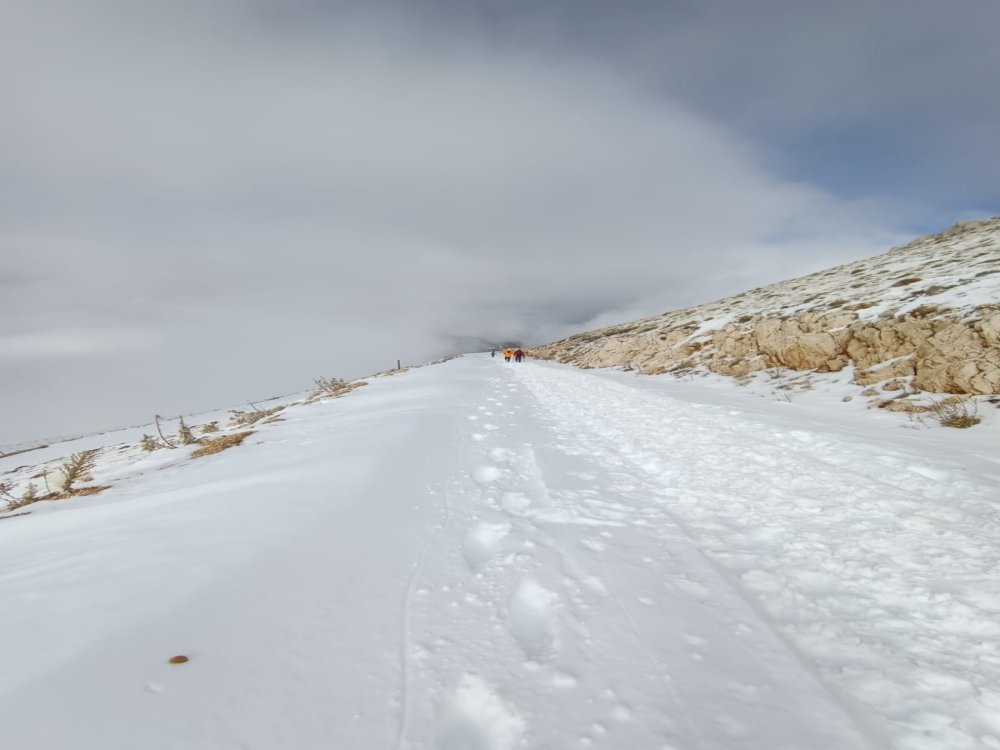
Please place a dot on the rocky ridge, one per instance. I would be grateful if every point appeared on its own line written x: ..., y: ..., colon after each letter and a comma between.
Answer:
x: 924, y: 317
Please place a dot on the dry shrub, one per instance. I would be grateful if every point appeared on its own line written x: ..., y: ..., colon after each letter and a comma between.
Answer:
x: 186, y: 436
x: 954, y: 411
x: 335, y: 387
x: 210, y: 427
x: 221, y: 443
x: 951, y: 412
x: 76, y: 468
x: 239, y: 418
x: 30, y: 496
x: 148, y: 444
x: 330, y: 386
x: 159, y: 431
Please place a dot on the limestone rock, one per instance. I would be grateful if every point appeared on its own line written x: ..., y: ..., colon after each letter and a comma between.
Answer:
x: 927, y: 314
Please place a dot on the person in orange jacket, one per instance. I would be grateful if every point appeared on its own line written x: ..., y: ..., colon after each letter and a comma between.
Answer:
x: 507, y: 354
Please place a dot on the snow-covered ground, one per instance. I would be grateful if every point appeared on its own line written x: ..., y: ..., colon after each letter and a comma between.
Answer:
x: 487, y: 556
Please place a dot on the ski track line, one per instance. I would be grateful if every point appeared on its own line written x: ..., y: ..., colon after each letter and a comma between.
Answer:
x: 406, y: 623
x: 665, y: 681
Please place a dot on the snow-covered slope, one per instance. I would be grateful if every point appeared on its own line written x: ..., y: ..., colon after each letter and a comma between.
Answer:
x: 920, y: 318
x: 489, y: 556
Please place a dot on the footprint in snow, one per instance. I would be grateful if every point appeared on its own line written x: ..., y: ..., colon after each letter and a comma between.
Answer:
x: 500, y: 455
x: 595, y: 586
x: 532, y: 620
x: 515, y: 502
x: 481, y: 542
x: 476, y: 717
x: 486, y: 474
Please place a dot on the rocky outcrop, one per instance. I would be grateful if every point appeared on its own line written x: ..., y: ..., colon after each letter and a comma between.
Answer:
x: 927, y: 315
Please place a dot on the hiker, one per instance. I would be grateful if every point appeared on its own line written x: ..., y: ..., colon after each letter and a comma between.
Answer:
x: 493, y: 352
x: 518, y: 355
x: 507, y: 354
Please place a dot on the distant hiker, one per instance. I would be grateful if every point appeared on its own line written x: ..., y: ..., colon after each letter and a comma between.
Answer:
x: 518, y: 355
x: 507, y: 354
x: 493, y: 352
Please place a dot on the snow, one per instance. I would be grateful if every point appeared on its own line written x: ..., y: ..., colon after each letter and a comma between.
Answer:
x: 483, y: 555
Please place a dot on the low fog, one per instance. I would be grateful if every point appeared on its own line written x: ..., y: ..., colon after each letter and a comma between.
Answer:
x: 205, y: 203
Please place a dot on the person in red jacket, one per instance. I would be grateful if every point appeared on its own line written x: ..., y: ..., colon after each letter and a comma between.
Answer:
x: 518, y: 355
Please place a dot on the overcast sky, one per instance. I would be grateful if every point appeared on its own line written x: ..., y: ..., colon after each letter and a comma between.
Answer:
x: 207, y: 202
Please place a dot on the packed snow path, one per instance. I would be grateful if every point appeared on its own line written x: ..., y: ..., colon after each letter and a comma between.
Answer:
x: 489, y: 556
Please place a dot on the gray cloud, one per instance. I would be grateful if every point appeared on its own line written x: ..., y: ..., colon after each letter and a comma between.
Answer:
x: 204, y: 203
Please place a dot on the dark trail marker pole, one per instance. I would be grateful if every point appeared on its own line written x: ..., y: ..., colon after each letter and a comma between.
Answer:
x: 397, y: 365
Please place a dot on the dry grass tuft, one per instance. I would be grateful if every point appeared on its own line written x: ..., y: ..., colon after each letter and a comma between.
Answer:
x: 81, y: 492
x: 209, y: 427
x: 221, y: 443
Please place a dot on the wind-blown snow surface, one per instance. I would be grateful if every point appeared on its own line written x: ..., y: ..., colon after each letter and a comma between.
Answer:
x: 487, y: 556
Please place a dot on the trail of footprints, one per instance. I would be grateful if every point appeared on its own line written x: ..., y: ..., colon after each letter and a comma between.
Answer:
x: 475, y: 715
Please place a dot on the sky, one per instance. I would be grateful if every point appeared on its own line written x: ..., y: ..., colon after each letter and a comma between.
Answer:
x: 207, y: 203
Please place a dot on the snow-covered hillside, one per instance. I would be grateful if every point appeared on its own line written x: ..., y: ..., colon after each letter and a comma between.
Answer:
x: 487, y: 556
x: 919, y: 319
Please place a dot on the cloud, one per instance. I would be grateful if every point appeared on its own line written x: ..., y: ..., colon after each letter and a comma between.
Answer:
x: 58, y: 343
x: 269, y: 192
